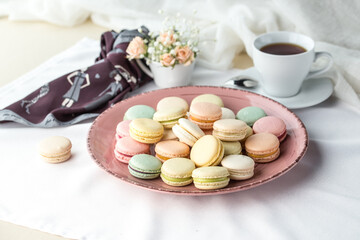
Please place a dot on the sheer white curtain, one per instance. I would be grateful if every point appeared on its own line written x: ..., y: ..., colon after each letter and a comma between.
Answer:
x: 227, y: 27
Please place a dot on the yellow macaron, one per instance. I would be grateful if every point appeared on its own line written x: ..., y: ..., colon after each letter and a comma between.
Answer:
x: 207, y: 151
x: 168, y: 117
x: 146, y: 130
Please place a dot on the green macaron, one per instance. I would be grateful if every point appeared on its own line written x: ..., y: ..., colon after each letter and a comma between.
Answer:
x: 139, y: 111
x: 177, y: 171
x: 213, y: 177
x: 250, y: 114
x: 144, y: 166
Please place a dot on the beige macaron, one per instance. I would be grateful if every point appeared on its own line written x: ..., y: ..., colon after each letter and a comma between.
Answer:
x: 55, y: 149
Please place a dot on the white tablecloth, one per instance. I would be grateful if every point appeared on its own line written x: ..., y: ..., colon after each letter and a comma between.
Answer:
x: 318, y: 199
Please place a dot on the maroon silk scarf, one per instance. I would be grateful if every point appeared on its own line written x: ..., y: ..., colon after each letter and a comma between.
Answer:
x: 84, y: 93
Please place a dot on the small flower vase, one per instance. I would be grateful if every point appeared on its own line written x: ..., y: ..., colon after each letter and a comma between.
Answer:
x: 165, y: 77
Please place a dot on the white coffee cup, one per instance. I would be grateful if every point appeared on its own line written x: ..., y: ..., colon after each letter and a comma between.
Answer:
x: 283, y: 75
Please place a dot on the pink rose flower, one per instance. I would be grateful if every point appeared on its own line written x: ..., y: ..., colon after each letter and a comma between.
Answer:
x: 184, y: 55
x: 167, y: 60
x: 136, y: 48
x: 167, y: 38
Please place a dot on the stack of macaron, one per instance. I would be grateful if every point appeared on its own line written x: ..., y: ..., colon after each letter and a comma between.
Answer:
x: 206, y: 144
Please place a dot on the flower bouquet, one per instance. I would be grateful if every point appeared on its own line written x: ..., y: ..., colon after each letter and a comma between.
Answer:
x: 170, y: 53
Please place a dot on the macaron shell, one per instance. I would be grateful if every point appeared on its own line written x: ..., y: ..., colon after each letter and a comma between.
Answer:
x: 122, y: 129
x: 172, y: 149
x: 169, y: 135
x: 191, y: 127
x: 169, y: 114
x: 271, y: 124
x: 54, y: 146
x: 240, y: 167
x: 144, y: 166
x: 146, y: 130
x: 230, y: 129
x: 263, y: 147
x: 55, y: 149
x: 207, y: 151
x: 184, y: 136
x: 57, y: 159
x: 122, y: 157
x: 227, y: 113
x: 211, y: 98
x: 203, y: 125
x: 178, y: 167
x: 213, y: 177
x: 250, y: 114
x: 177, y: 171
x: 169, y: 102
x: 268, y: 158
x: 139, y: 111
x: 205, y: 111
x: 127, y: 147
x: 231, y: 148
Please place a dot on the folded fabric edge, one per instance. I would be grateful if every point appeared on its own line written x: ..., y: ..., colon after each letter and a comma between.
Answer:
x: 48, y: 122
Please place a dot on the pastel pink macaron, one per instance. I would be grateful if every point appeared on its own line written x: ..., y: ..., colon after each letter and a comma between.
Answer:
x: 271, y: 124
x: 122, y: 129
x: 204, y: 114
x: 127, y: 147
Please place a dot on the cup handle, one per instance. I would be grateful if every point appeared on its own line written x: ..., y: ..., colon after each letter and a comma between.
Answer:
x: 144, y: 68
x: 325, y: 68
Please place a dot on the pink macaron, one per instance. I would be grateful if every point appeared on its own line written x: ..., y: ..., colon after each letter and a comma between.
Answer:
x: 127, y: 147
x: 271, y: 124
x: 204, y: 114
x: 122, y: 129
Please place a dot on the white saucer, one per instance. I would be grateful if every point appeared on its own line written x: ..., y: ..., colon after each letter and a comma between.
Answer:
x: 312, y: 92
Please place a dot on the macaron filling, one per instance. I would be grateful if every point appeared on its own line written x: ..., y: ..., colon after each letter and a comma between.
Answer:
x: 142, y: 172
x: 200, y: 120
x: 210, y: 180
x: 262, y: 155
x: 172, y: 179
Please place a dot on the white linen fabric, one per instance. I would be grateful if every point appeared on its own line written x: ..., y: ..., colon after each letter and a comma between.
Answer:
x: 227, y: 27
x: 318, y: 199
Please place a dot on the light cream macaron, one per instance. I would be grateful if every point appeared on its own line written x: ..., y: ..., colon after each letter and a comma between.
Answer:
x: 227, y: 113
x: 211, y: 98
x: 232, y: 148
x: 55, y: 149
x: 240, y: 167
x: 230, y: 129
x: 170, y: 102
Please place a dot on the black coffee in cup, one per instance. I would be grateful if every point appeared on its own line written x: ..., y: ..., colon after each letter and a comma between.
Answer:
x: 282, y: 49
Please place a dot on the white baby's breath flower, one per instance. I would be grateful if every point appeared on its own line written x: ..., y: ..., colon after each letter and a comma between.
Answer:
x: 151, y: 50
x: 172, y: 52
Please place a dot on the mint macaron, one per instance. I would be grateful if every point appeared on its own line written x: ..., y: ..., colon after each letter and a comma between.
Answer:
x: 250, y: 114
x: 144, y: 166
x: 139, y: 111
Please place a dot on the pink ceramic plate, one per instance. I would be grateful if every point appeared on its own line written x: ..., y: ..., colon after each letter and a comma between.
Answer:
x: 101, y: 139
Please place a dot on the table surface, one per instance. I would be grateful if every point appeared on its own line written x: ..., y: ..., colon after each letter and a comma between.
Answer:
x: 26, y: 53
x: 320, y: 200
